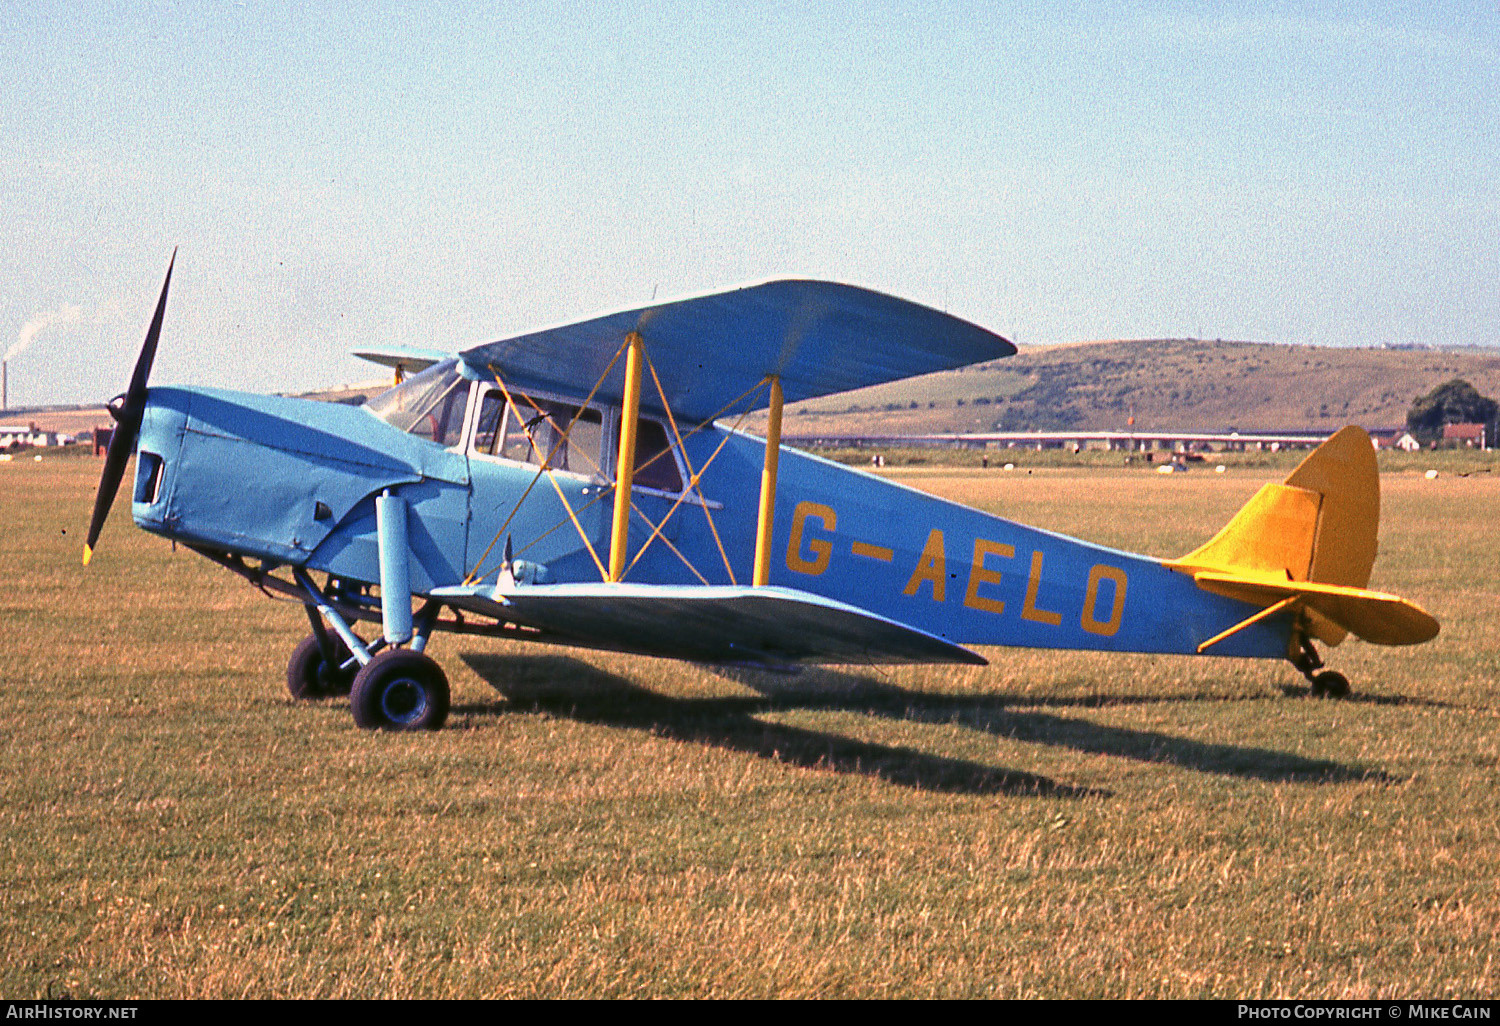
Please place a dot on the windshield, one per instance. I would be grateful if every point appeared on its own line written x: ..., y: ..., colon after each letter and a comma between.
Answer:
x: 429, y: 405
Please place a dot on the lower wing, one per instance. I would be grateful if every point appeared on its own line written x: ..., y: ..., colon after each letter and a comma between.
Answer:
x: 768, y: 626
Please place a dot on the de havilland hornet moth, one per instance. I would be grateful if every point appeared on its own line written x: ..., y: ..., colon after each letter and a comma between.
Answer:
x: 588, y: 485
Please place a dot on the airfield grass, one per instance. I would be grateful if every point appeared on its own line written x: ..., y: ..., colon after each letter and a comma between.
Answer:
x: 1055, y: 824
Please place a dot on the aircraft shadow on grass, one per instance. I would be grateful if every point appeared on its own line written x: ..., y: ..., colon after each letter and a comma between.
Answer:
x: 1022, y: 719
x: 572, y: 688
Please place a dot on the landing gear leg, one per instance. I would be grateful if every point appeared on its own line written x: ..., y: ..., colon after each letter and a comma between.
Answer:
x: 425, y: 618
x: 1321, y: 683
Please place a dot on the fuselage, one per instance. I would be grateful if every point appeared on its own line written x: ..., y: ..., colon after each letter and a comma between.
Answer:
x: 293, y: 482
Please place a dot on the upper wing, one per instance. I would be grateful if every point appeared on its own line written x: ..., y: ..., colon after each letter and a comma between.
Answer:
x: 718, y: 624
x: 819, y: 337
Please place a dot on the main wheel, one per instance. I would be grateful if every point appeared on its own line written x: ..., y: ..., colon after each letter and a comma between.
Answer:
x: 309, y: 675
x: 400, y: 690
x: 1330, y: 684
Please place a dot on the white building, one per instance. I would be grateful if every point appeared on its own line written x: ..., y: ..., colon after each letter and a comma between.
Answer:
x: 27, y: 434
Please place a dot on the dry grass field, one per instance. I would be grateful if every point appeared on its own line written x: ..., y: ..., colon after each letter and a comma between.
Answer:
x: 173, y: 825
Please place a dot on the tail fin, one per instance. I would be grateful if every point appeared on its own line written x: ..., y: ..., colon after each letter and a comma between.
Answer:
x: 1318, y: 525
x: 1310, y: 542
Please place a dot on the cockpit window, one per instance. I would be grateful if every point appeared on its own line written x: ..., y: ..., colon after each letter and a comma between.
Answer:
x: 565, y: 436
x: 534, y: 432
x: 429, y: 405
x: 654, y: 465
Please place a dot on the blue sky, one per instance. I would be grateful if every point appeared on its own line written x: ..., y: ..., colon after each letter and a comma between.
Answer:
x: 345, y: 175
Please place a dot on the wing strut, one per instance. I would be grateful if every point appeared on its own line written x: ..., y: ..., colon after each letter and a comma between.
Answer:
x: 768, y: 489
x: 630, y: 413
x: 637, y: 361
x: 1265, y: 613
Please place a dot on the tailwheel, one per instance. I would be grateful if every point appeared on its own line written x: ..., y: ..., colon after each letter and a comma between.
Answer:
x: 1330, y: 684
x: 400, y: 689
x: 1322, y: 683
x: 311, y: 674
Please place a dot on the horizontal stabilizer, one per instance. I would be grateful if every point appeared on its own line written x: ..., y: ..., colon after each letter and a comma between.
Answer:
x: 818, y: 337
x: 767, y: 626
x: 1375, y: 616
x: 408, y: 359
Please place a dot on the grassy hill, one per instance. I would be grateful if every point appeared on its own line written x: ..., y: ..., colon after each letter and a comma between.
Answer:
x: 1180, y: 384
x: 1171, y: 384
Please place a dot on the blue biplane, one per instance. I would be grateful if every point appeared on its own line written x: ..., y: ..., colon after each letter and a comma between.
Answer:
x: 588, y: 485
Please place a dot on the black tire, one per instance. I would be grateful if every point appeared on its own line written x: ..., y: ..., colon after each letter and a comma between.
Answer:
x: 308, y: 674
x: 400, y: 690
x: 1330, y: 684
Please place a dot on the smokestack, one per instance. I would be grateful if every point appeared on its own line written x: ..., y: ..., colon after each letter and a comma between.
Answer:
x: 5, y: 385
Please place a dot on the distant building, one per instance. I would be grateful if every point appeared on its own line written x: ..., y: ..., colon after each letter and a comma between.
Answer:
x: 17, y: 435
x: 1130, y: 441
x: 1394, y: 438
x: 1471, y: 435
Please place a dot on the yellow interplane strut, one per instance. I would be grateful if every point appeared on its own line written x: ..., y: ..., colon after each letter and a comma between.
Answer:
x: 768, y: 489
x: 638, y: 512
x: 695, y: 478
x: 625, y: 467
x: 656, y: 528
x: 630, y: 413
x: 474, y: 573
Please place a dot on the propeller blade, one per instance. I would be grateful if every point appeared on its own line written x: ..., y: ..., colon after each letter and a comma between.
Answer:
x: 148, y: 350
x: 109, y: 484
x: 128, y: 422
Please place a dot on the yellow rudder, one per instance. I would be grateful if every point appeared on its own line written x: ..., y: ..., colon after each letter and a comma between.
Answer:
x: 1343, y: 470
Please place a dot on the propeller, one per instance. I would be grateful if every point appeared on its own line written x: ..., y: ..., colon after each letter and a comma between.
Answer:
x: 127, y: 411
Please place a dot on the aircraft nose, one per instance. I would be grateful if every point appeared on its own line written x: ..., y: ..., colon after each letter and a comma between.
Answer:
x: 159, y: 427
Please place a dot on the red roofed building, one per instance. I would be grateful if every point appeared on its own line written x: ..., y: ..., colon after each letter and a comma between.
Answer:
x: 1465, y: 434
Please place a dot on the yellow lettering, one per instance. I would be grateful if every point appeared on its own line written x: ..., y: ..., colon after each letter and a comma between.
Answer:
x: 933, y: 567
x: 1106, y: 628
x: 1030, y: 611
x: 979, y: 575
x: 821, y: 548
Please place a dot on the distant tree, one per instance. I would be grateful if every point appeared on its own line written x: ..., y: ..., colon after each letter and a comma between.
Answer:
x: 1453, y: 402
